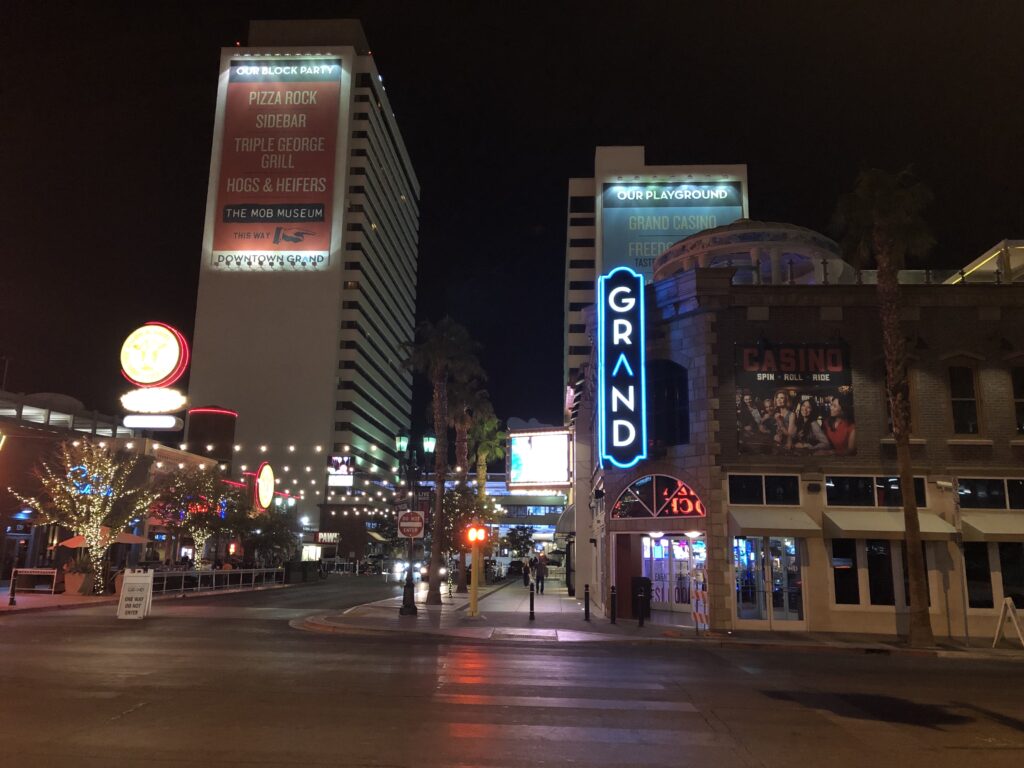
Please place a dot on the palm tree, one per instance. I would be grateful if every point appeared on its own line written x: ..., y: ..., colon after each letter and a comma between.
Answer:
x: 882, y: 224
x: 444, y: 352
x: 488, y: 442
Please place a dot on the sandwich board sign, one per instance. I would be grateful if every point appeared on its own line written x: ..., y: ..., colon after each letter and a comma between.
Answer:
x: 1008, y: 611
x: 136, y: 595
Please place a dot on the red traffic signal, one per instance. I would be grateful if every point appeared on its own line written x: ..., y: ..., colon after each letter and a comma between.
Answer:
x: 476, y: 534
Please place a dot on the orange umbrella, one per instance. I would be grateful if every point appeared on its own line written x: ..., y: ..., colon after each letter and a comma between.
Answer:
x: 77, y: 542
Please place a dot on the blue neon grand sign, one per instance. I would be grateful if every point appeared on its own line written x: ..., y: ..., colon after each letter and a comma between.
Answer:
x: 621, y: 362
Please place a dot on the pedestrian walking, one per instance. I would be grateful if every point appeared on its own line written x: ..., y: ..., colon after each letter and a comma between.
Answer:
x: 526, y: 572
x: 540, y: 572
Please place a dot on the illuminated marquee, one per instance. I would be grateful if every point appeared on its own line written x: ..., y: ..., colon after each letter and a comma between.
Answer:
x: 622, y: 380
x: 154, y: 355
x: 264, y: 486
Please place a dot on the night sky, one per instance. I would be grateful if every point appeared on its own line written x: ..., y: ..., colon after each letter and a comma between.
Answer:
x: 106, y: 121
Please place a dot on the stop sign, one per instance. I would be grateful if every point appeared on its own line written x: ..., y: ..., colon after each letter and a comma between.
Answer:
x: 411, y: 525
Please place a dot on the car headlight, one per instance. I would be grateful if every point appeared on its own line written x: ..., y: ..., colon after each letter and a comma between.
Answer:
x: 443, y: 571
x: 423, y: 569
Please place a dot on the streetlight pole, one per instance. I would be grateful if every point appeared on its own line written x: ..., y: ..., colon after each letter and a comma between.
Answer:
x: 409, y: 467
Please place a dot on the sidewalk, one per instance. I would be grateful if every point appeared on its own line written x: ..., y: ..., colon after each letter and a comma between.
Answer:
x: 504, y: 616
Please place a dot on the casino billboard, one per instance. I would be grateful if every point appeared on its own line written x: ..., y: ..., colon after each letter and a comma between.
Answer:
x: 276, y: 180
x: 640, y: 221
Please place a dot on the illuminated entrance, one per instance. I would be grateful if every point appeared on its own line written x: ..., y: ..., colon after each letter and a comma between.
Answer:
x: 671, y: 554
x: 671, y: 563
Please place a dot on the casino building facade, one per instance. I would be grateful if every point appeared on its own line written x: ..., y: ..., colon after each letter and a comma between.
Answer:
x: 307, y: 287
x: 766, y: 493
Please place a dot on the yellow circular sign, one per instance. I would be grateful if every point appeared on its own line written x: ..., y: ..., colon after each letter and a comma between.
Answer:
x: 264, y: 485
x: 154, y: 355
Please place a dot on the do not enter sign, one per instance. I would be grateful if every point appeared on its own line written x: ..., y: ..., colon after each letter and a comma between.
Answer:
x: 411, y: 525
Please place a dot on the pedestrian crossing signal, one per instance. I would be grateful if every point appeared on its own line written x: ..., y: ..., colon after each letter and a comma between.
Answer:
x: 476, y: 534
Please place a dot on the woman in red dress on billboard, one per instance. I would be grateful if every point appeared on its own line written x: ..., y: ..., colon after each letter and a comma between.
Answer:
x: 840, y: 428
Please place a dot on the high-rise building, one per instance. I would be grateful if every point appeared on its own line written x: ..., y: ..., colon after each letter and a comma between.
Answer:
x: 630, y: 213
x: 307, y: 286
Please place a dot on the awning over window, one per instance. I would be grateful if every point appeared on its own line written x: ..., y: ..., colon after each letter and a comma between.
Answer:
x: 993, y: 526
x: 772, y: 522
x: 879, y: 524
x: 567, y: 521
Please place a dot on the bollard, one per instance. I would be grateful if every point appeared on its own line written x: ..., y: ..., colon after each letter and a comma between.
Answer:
x: 614, y: 603
x: 640, y: 603
x: 14, y: 590
x: 586, y: 602
x: 532, y: 615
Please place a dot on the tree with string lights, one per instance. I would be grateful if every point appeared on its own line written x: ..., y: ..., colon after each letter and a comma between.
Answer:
x: 92, y: 491
x: 192, y: 499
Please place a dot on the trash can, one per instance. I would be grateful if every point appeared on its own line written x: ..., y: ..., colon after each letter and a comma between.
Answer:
x: 640, y: 594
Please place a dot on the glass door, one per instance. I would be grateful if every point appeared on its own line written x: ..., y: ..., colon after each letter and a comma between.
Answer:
x: 670, y: 562
x: 769, y: 580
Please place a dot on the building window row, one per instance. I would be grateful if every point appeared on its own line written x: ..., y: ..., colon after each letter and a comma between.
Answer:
x: 579, y: 350
x: 581, y: 263
x: 991, y: 493
x: 576, y: 306
x: 582, y: 221
x: 403, y: 410
x: 350, y: 406
x: 577, y: 328
x: 765, y: 489
x: 869, y: 568
x: 581, y: 285
x: 868, y: 491
x: 581, y: 242
x: 581, y: 204
x: 988, y: 586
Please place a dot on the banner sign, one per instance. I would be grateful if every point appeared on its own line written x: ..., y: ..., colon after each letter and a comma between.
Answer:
x: 794, y: 399
x: 621, y: 358
x: 641, y: 221
x: 339, y: 472
x: 277, y: 165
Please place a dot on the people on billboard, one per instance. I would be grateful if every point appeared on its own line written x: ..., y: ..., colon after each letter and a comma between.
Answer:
x: 794, y: 399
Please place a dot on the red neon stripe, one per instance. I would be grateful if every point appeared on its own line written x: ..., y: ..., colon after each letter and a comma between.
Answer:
x: 232, y: 482
x: 224, y: 411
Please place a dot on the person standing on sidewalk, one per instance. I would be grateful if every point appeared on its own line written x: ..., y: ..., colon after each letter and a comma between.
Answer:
x: 526, y: 572
x: 542, y: 572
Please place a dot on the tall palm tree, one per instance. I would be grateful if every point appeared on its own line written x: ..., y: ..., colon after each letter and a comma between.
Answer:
x: 488, y: 442
x: 444, y: 352
x: 882, y: 224
x: 465, y: 398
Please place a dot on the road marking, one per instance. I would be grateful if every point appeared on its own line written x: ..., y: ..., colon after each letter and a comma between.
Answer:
x: 563, y: 703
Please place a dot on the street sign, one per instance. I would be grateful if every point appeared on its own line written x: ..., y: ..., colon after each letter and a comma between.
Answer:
x: 136, y: 594
x: 411, y: 525
x: 401, y: 505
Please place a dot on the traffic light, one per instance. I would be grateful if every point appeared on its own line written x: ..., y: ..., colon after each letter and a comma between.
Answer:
x: 476, y: 534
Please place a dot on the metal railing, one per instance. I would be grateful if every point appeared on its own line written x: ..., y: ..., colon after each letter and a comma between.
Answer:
x: 207, y: 581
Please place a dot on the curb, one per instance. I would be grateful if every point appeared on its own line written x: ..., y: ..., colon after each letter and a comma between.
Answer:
x: 113, y: 600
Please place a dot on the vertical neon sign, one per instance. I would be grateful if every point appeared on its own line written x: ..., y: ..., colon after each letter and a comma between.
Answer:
x: 621, y: 375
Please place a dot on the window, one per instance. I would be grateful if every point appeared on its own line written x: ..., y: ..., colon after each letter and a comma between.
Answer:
x: 668, y: 395
x: 576, y: 306
x: 579, y: 350
x: 577, y: 328
x: 746, y: 489
x: 844, y: 571
x: 962, y: 397
x: 880, y: 587
x: 1017, y: 375
x: 765, y: 489
x: 581, y: 285
x: 844, y: 491
x: 583, y: 204
x: 1011, y: 560
x: 849, y: 491
x: 352, y: 285
x: 581, y: 242
x: 1015, y: 493
x: 888, y: 493
x: 581, y: 221
x: 982, y: 493
x: 979, y: 575
x: 782, y: 489
x: 581, y: 263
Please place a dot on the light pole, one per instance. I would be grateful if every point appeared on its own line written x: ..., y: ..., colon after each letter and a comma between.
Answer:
x: 409, y: 468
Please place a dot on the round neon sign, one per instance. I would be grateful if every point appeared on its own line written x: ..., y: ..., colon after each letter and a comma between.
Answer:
x: 264, y: 485
x: 154, y: 355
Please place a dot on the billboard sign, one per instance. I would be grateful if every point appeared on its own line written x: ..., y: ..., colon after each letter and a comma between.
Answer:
x: 621, y: 375
x: 640, y: 221
x: 339, y: 472
x: 794, y: 400
x: 538, y: 458
x: 276, y: 181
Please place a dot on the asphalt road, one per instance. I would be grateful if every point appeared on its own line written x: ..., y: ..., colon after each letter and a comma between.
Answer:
x: 226, y: 681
